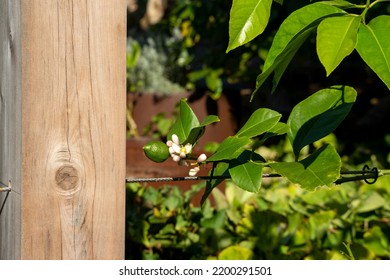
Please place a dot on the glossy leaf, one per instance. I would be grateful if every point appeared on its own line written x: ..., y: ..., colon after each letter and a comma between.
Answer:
x: 261, y: 120
x: 248, y: 19
x: 279, y: 129
x: 373, y: 46
x: 340, y: 4
x: 318, y: 115
x: 321, y: 168
x: 198, y: 131
x: 187, y: 126
x: 247, y: 176
x: 296, y: 23
x: 230, y: 148
x: 336, y: 39
x: 186, y: 121
x: 292, y: 33
x: 210, y: 119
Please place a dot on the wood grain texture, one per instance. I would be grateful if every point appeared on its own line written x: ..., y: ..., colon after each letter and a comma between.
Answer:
x: 73, y: 123
x: 10, y: 127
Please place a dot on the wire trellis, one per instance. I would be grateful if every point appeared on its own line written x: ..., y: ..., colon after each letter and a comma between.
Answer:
x: 370, y: 176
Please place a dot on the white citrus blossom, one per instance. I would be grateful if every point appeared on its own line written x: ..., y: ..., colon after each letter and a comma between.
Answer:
x: 179, y: 154
x: 176, y: 150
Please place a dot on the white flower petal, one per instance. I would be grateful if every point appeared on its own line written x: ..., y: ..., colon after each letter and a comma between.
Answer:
x: 176, y: 148
x: 175, y: 139
x: 169, y: 143
x: 171, y: 151
x: 183, y: 154
x: 188, y: 148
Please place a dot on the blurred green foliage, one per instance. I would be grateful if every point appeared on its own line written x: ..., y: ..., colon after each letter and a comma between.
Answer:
x: 281, y: 221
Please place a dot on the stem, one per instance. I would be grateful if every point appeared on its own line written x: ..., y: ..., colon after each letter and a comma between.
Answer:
x: 348, y: 247
x: 363, y: 15
x: 376, y: 2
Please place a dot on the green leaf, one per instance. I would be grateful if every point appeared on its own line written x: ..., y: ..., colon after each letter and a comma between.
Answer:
x: 186, y: 121
x: 187, y: 126
x: 133, y: 55
x: 318, y: 115
x: 247, y: 176
x: 336, y: 39
x: 210, y: 119
x: 214, y: 83
x: 279, y: 129
x: 373, y: 46
x: 299, y: 21
x: 235, y: 252
x: 230, y: 148
x: 248, y: 19
x: 261, y: 120
x: 198, y: 131
x: 292, y: 33
x: 372, y: 202
x: 321, y: 168
x: 217, y: 220
x: 375, y: 240
x: 340, y: 4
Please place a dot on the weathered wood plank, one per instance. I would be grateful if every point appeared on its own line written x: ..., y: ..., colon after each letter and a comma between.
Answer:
x: 10, y: 127
x: 73, y: 129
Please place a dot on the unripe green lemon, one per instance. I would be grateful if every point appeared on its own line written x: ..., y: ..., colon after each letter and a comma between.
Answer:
x: 156, y: 151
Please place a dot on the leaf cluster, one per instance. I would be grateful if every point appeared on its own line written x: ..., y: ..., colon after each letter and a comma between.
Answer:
x: 283, y: 222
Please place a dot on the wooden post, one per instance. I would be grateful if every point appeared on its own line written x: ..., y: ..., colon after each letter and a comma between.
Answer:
x: 62, y: 139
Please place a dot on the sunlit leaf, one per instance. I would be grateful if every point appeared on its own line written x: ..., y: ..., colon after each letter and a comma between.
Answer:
x: 340, y: 4
x: 230, y: 148
x: 375, y: 240
x: 187, y: 126
x: 295, y: 24
x: 198, y: 131
x: 292, y: 33
x: 336, y: 39
x: 321, y: 168
x: 186, y: 121
x: 235, y: 252
x: 373, y: 201
x: 261, y: 120
x: 318, y: 115
x: 374, y: 48
x: 248, y: 19
x: 247, y: 176
x: 279, y: 129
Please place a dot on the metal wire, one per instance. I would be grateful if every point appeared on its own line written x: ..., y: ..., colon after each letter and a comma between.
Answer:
x: 7, y: 189
x: 368, y: 175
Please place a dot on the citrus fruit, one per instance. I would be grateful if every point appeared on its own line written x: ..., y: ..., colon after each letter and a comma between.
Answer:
x: 156, y: 151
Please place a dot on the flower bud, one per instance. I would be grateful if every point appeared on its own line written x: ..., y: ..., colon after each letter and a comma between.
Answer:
x: 194, y: 171
x: 202, y: 158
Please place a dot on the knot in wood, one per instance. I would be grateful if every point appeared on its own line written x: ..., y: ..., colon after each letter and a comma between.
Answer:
x: 67, y: 177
